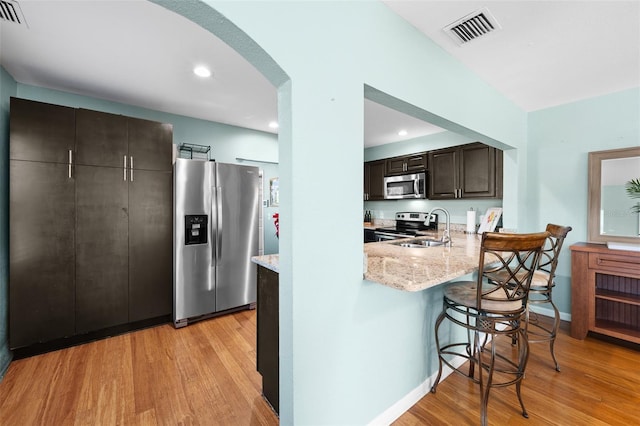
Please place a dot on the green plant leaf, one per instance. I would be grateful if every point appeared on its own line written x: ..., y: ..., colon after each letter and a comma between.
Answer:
x: 633, y: 190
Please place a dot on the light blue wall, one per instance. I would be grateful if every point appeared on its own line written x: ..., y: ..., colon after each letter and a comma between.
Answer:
x: 560, y: 139
x: 8, y: 88
x: 349, y: 349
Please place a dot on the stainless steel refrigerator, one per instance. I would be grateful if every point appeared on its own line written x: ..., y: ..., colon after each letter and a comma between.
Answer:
x: 216, y: 231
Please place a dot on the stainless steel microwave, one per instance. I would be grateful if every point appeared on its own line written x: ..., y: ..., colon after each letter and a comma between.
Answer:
x: 405, y: 186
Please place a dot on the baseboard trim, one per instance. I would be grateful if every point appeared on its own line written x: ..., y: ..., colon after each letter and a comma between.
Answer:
x: 5, y: 361
x: 392, y: 413
x: 549, y: 313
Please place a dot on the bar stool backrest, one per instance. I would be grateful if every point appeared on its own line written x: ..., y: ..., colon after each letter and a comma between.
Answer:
x: 551, y: 251
x: 508, y: 278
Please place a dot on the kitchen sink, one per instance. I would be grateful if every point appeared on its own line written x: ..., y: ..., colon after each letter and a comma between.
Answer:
x: 421, y: 243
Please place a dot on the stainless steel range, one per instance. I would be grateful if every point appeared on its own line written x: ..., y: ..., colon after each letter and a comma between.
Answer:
x: 407, y: 225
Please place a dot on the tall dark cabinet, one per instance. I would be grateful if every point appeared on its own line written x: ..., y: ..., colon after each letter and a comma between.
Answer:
x: 42, y: 220
x: 90, y: 221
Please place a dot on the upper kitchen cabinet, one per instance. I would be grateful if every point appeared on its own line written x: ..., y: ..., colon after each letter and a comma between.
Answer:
x: 413, y: 163
x: 465, y: 171
x: 150, y: 145
x: 101, y: 138
x: 112, y: 140
x: 374, y: 180
x: 41, y: 132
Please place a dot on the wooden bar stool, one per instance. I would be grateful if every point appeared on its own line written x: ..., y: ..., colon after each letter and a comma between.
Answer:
x: 492, y: 307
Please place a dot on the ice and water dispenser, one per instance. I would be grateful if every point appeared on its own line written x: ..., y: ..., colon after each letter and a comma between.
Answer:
x: 195, y: 231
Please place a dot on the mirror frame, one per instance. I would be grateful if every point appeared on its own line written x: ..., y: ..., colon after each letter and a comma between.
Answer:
x: 595, y: 170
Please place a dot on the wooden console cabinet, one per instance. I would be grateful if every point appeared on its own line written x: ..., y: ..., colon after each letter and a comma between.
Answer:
x: 605, y: 292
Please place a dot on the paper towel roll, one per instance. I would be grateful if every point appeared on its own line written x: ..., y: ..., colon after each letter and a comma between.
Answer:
x: 471, y: 222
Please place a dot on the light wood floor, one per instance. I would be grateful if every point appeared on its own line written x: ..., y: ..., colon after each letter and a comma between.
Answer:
x: 204, y: 374
x: 598, y: 384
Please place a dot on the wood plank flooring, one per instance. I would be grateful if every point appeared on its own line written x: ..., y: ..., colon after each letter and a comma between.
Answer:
x: 598, y: 384
x: 204, y: 374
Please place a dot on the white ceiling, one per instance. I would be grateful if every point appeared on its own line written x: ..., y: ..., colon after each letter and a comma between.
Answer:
x: 135, y: 52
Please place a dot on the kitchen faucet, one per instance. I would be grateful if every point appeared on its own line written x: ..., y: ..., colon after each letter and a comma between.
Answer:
x: 446, y: 235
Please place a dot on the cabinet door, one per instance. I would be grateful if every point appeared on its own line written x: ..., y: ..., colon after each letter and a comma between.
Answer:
x: 150, y: 144
x: 367, y: 181
x: 443, y: 179
x: 477, y: 171
x: 396, y: 166
x: 416, y: 163
x: 101, y: 248
x: 41, y: 253
x: 376, y: 180
x: 150, y: 245
x: 101, y: 138
x: 268, y: 334
x: 40, y: 131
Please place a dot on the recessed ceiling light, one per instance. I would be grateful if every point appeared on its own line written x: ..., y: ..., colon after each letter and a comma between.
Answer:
x: 402, y: 133
x: 273, y: 125
x: 202, y: 71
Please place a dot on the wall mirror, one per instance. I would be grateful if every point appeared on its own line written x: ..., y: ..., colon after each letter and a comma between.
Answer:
x: 612, y: 216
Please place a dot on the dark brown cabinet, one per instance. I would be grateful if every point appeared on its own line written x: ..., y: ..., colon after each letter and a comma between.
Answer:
x: 91, y: 230
x: 268, y: 332
x: 42, y: 252
x: 150, y: 245
x: 374, y: 180
x: 413, y: 163
x: 101, y: 139
x: 41, y: 131
x: 101, y: 248
x: 466, y: 171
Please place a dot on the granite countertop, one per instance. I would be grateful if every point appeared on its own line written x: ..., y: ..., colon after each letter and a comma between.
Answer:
x: 415, y: 269
x: 411, y: 269
x: 269, y: 261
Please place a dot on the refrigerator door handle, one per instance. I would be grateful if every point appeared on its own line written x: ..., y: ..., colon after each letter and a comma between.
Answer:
x: 219, y: 219
x: 213, y: 229
x: 131, y: 167
x: 124, y: 168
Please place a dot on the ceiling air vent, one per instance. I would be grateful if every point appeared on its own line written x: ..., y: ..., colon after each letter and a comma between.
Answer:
x: 472, y: 26
x: 10, y: 12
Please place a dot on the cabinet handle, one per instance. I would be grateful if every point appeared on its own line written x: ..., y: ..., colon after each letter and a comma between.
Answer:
x: 131, y: 166
x: 124, y: 169
x: 70, y: 162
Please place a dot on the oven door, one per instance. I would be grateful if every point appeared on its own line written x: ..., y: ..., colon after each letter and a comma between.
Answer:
x: 405, y: 186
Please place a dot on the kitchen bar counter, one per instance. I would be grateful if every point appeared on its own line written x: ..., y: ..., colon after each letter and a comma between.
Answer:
x: 411, y: 269
x: 415, y: 269
x: 269, y: 261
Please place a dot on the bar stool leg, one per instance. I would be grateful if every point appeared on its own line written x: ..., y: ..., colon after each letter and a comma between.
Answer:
x: 437, y: 380
x: 523, y: 351
x: 554, y: 333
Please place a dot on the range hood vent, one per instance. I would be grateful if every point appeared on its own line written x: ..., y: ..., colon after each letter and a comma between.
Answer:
x: 10, y: 12
x: 472, y: 26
